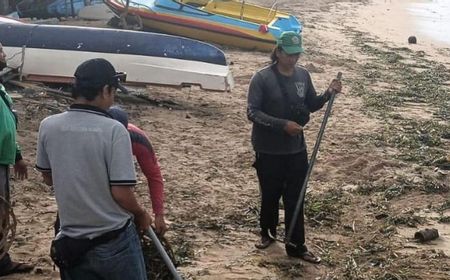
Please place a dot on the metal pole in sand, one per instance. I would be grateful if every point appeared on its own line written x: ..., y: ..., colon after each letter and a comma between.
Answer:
x: 310, y: 167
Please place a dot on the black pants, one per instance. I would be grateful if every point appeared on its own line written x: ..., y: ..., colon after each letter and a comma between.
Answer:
x: 282, y: 176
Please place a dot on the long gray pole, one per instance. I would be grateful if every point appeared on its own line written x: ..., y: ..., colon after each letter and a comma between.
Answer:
x: 163, y: 253
x: 310, y: 167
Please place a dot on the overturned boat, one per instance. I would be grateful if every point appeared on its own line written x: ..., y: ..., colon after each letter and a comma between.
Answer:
x: 225, y: 22
x: 51, y: 53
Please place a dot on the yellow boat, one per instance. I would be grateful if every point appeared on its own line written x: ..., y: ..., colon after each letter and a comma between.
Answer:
x: 226, y: 22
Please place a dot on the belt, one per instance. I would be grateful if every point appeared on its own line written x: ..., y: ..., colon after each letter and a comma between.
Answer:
x: 110, y: 235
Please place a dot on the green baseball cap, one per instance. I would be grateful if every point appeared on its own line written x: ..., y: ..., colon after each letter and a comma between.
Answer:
x: 290, y: 42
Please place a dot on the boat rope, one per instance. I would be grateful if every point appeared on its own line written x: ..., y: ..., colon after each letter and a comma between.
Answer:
x: 274, y: 8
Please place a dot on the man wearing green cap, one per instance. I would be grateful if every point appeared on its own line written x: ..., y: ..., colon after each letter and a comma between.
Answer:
x: 280, y: 99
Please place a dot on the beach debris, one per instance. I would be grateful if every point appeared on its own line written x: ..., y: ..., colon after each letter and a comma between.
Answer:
x: 133, y: 96
x: 381, y: 216
x: 154, y: 263
x: 313, y: 68
x: 444, y: 219
x: 408, y: 218
x: 32, y: 88
x: 412, y: 40
x: 443, y: 162
x: 427, y: 234
x: 287, y: 269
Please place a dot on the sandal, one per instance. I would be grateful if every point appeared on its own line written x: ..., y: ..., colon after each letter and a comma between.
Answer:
x: 265, y: 242
x: 310, y: 257
x: 304, y: 255
x: 16, y: 267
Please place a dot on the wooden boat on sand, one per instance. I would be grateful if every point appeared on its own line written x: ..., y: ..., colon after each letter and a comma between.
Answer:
x: 226, y: 22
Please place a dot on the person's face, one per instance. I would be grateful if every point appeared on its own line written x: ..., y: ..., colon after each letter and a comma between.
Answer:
x: 287, y: 60
x: 2, y: 58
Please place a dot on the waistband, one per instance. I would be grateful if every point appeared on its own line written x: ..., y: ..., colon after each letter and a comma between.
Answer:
x: 106, y: 237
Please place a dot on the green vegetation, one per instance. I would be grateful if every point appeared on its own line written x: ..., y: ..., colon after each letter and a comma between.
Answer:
x: 325, y: 208
x: 389, y: 81
x: 408, y: 218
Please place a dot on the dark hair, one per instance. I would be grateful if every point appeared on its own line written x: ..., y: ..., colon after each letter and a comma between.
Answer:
x: 273, y: 54
x: 92, y: 75
x: 89, y: 93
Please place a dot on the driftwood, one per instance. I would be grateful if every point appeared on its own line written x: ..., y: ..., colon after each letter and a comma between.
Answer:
x: 50, y: 91
x: 130, y: 97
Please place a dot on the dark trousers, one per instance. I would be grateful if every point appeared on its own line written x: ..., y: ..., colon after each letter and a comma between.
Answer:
x: 282, y: 176
x: 56, y: 227
x: 5, y: 262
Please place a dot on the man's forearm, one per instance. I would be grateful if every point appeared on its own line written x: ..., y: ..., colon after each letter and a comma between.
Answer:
x: 261, y: 118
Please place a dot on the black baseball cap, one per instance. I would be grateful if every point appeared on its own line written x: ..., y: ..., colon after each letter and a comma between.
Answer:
x: 98, y: 72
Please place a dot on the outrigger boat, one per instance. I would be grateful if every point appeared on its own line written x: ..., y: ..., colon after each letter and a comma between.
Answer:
x: 226, y: 22
x: 51, y: 53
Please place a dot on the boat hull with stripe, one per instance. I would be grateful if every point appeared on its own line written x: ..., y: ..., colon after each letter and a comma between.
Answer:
x: 52, y: 53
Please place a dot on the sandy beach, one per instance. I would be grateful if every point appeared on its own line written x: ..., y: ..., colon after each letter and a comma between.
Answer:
x: 382, y: 172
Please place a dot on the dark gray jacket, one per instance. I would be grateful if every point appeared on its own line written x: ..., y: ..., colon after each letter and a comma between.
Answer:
x: 270, y: 107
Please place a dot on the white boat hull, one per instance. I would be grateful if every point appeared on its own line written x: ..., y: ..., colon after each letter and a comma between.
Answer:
x: 52, y: 53
x: 140, y: 70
